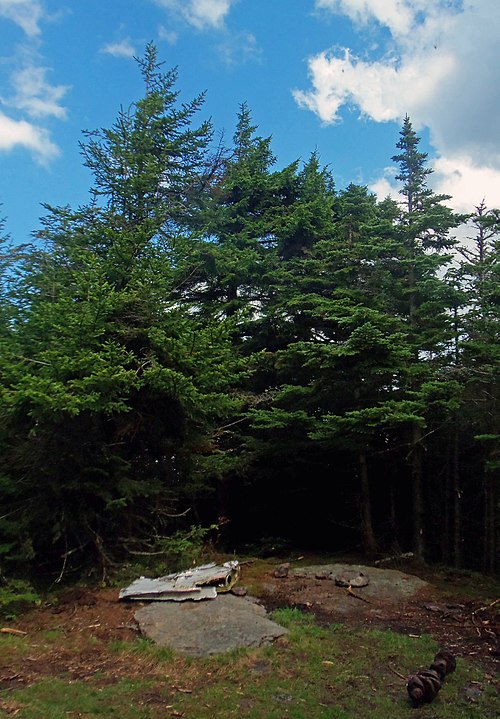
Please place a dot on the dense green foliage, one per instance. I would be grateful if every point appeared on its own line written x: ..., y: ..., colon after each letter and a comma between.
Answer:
x: 213, y: 339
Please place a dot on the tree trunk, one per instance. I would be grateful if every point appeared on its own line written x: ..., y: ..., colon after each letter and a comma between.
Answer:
x: 446, y: 549
x: 417, y: 493
x: 490, y: 529
x: 393, y: 521
x: 457, y: 506
x: 369, y: 540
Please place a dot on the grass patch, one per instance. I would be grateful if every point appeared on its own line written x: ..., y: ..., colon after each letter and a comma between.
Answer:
x: 333, y: 672
x: 314, y: 673
x: 143, y: 647
x: 291, y: 616
x: 12, y: 647
x: 16, y: 595
x: 58, y: 699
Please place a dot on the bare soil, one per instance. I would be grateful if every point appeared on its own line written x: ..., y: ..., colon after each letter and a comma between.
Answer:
x: 467, y: 627
x: 70, y: 637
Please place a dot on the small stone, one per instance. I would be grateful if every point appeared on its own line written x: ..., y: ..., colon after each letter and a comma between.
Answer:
x: 239, y: 591
x: 348, y: 579
x: 282, y: 571
x: 283, y: 698
x: 472, y: 694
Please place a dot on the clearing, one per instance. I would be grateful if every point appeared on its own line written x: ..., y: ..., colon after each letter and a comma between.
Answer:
x: 82, y: 655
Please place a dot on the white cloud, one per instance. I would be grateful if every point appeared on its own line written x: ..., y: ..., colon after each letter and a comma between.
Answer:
x: 466, y: 182
x: 200, y: 14
x: 440, y: 67
x: 21, y: 133
x: 35, y: 95
x: 122, y: 48
x: 25, y: 13
x: 383, y: 91
x: 385, y: 186
x: 239, y: 48
x: 456, y: 175
x: 169, y: 35
x: 395, y: 14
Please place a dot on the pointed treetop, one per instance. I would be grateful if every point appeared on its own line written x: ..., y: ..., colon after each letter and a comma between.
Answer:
x: 413, y: 170
x: 316, y: 180
x: 244, y: 134
x: 248, y: 145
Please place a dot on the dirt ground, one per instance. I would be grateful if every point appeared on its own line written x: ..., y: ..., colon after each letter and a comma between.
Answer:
x: 83, y: 621
x: 467, y: 627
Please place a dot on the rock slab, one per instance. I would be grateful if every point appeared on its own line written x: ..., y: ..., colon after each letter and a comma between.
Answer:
x: 386, y: 585
x: 208, y: 627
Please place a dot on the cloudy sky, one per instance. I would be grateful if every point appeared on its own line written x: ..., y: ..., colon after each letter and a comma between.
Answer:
x: 333, y: 75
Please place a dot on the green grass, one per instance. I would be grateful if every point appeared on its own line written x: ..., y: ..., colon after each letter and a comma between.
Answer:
x: 58, y: 699
x: 335, y: 672
x: 13, y: 647
x: 315, y: 673
x: 144, y: 647
x: 16, y: 595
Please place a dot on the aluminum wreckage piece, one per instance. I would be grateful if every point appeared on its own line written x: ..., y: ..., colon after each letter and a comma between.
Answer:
x: 202, y: 582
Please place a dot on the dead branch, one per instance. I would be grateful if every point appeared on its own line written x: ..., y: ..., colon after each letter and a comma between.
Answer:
x: 10, y: 630
x: 475, y: 616
x: 396, y: 672
x: 181, y: 514
x: 488, y: 606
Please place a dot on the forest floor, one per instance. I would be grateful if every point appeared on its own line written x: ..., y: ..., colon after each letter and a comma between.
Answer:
x: 448, y: 608
x: 85, y: 635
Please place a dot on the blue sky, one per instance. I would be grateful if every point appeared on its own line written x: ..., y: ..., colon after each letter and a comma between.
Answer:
x: 333, y: 75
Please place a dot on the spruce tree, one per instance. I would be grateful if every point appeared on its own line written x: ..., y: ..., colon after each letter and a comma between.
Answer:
x: 120, y: 382
x: 478, y: 362
x: 422, y: 229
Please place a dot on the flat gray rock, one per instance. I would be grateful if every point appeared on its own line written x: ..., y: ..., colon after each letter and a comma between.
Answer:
x: 208, y: 627
x: 388, y: 585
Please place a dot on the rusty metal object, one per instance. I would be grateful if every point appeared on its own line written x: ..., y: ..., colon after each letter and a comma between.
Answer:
x: 424, y: 685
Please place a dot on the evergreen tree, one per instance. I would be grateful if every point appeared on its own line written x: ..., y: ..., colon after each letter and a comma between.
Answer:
x: 335, y: 373
x: 120, y: 384
x: 422, y: 228
x: 246, y: 201
x: 212, y: 333
x: 478, y: 362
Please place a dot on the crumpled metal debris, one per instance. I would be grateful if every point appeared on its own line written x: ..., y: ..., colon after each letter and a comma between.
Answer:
x: 203, y: 582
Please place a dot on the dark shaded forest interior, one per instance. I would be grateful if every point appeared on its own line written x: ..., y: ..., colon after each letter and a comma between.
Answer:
x: 214, y: 342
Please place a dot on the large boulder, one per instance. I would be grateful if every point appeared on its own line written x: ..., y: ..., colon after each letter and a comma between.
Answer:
x: 208, y: 627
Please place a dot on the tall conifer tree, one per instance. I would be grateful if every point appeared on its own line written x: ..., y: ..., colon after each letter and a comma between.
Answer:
x: 422, y: 228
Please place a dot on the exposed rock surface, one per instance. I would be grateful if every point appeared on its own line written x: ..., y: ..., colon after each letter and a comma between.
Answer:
x: 388, y: 591
x: 210, y: 627
x: 389, y: 585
